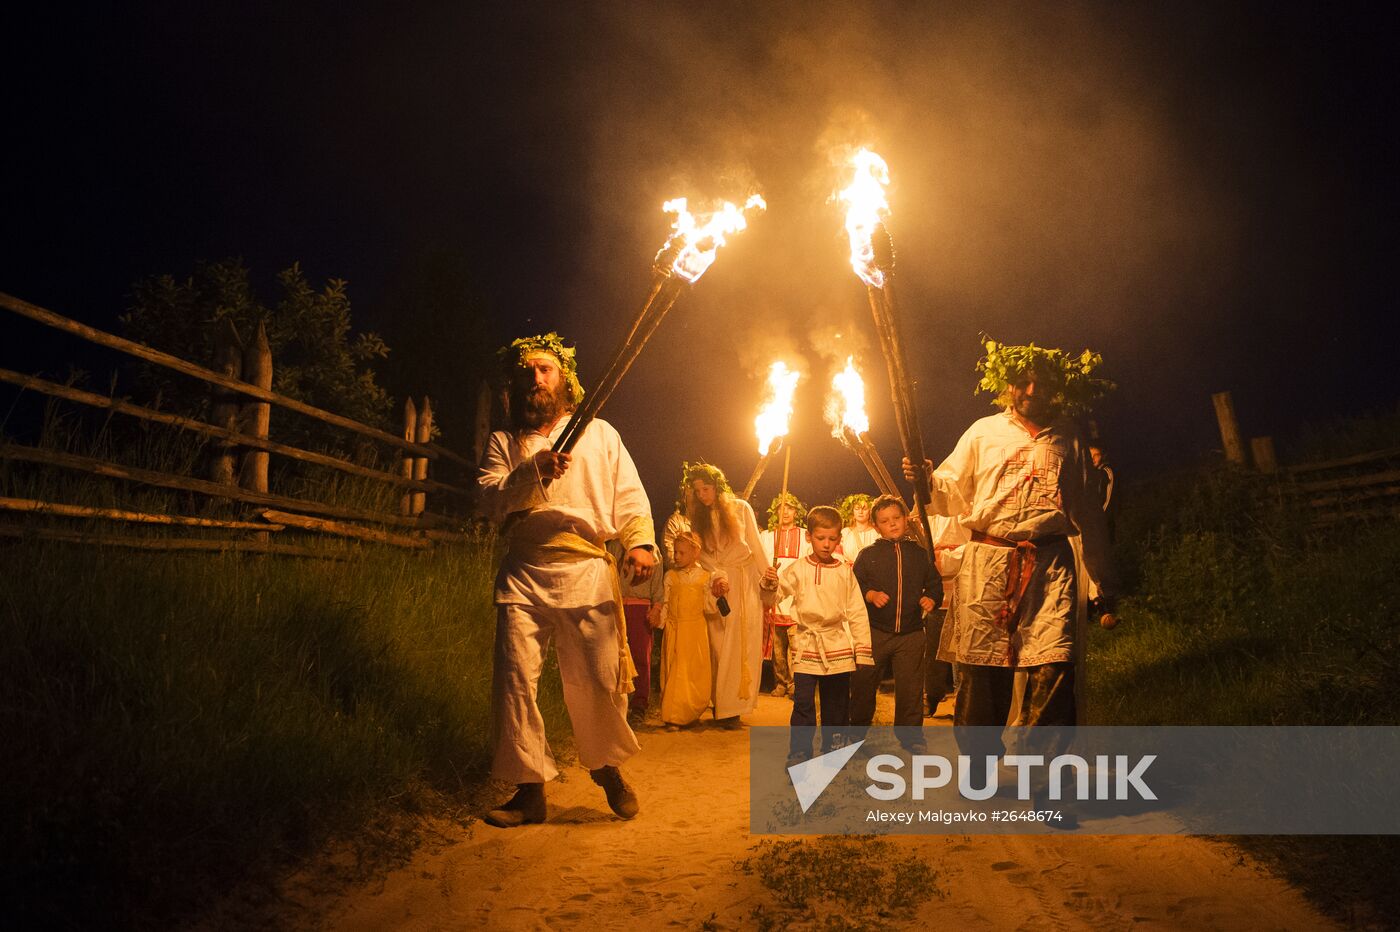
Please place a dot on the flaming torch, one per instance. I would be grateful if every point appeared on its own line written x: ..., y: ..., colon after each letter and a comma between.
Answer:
x: 851, y: 425
x: 872, y: 258
x: 688, y: 252
x: 771, y: 425
x: 845, y: 412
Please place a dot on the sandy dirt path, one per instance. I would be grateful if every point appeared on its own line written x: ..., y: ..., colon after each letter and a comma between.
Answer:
x: 674, y: 865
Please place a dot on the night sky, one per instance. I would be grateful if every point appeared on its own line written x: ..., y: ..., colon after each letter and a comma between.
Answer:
x: 1204, y: 194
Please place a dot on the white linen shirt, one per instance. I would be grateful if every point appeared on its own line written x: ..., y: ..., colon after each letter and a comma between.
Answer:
x: 596, y: 497
x: 1003, y: 482
x: 832, y: 629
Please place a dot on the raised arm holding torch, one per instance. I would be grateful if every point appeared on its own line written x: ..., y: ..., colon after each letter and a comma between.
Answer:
x: 872, y: 258
x: 690, y: 250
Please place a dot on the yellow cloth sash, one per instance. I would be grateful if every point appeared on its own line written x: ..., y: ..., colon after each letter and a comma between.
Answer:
x: 568, y: 547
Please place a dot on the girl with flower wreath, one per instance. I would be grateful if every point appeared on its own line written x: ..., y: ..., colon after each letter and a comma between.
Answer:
x: 732, y: 550
x: 857, y: 532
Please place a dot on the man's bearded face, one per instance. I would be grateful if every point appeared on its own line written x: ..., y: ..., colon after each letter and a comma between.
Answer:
x: 541, y: 391
x: 1031, y: 395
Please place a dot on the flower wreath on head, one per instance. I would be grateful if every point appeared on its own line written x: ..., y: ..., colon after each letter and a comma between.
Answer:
x: 703, y: 470
x: 791, y: 500
x: 1069, y: 378
x: 847, y: 506
x: 511, y: 357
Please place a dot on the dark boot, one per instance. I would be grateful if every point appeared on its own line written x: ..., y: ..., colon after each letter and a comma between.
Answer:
x: 526, y: 806
x: 621, y: 797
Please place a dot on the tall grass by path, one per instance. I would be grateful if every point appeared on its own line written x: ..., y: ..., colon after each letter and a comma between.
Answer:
x: 179, y: 723
x: 1241, y: 614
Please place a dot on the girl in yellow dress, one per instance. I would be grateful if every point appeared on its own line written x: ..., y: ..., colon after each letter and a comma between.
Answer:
x: 686, y: 676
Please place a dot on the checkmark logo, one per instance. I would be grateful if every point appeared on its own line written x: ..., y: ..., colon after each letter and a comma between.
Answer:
x: 811, y: 778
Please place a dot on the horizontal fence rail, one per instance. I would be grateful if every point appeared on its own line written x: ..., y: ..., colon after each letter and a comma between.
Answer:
x: 1357, y: 488
x: 141, y: 351
x: 241, y: 401
x: 35, y: 506
x: 202, y: 545
x: 165, y: 480
x: 121, y: 406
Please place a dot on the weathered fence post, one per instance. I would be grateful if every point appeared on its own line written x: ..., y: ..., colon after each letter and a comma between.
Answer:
x: 410, y: 430
x: 1229, y: 427
x: 420, y: 465
x: 1263, y: 450
x: 228, y: 362
x: 256, y: 415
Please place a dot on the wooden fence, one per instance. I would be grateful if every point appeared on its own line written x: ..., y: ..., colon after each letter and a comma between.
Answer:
x: 1352, y: 489
x: 239, y: 427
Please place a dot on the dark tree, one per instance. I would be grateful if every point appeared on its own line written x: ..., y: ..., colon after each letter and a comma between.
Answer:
x: 316, y: 356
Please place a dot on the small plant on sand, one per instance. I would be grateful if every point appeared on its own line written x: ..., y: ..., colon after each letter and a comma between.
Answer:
x: 839, y: 882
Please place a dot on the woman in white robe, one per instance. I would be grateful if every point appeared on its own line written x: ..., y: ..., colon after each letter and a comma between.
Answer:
x: 733, y: 551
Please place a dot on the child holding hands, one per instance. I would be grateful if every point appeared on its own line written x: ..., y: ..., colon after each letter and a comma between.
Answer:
x: 686, y: 676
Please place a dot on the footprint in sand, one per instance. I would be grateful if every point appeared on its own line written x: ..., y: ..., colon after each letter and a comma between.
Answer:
x: 1185, y: 903
x: 1080, y: 900
x: 1004, y: 865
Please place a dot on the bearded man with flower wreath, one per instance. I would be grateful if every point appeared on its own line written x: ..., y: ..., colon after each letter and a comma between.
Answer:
x: 557, y: 582
x: 1020, y: 482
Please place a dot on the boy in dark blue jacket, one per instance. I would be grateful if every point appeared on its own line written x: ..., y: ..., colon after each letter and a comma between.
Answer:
x: 900, y: 587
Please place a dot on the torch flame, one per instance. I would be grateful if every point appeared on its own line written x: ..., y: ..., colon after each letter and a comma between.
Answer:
x: 866, y: 205
x: 697, y: 240
x: 846, y: 409
x: 773, y: 417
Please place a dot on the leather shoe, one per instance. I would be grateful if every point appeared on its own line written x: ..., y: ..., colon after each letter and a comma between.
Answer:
x: 621, y: 797
x: 526, y: 806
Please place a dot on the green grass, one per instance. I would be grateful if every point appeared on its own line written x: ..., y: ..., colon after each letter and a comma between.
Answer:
x: 177, y: 724
x: 182, y: 726
x: 839, y: 882
x: 1242, y: 615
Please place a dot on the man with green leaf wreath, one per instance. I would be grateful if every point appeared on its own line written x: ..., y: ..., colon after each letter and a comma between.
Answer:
x: 557, y: 582
x: 1020, y: 482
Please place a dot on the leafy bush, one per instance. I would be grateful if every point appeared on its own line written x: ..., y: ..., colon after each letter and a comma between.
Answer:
x: 315, y: 357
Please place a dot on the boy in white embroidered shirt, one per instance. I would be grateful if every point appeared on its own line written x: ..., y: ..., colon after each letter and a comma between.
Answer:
x: 831, y: 633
